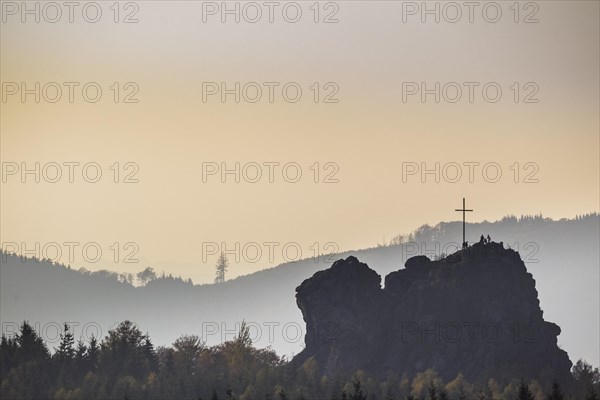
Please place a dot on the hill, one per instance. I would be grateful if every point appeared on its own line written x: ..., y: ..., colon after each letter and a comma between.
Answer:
x: 563, y: 256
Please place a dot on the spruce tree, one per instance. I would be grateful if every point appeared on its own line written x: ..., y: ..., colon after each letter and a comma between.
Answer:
x: 65, y: 352
x: 92, y: 353
x: 150, y: 355
x: 81, y: 362
x: 221, y: 268
x: 30, y: 346
x: 8, y: 351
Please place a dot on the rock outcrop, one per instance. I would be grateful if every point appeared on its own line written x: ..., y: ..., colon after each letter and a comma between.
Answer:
x: 475, y: 312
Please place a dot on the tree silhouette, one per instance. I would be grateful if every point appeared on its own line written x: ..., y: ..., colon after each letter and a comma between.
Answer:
x: 123, y: 352
x: 587, y: 377
x: 80, y: 361
x: 80, y: 352
x: 66, y: 351
x: 29, y: 376
x: 92, y: 353
x: 8, y: 355
x: 31, y: 347
x: 128, y: 366
x: 150, y: 354
x: 221, y: 268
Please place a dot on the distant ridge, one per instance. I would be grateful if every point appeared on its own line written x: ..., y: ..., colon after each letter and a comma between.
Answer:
x: 562, y: 255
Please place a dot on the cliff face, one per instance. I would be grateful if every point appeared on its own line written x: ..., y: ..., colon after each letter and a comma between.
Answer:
x: 475, y: 312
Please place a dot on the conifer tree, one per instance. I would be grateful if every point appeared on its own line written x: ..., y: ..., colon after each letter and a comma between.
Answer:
x: 66, y: 351
x: 221, y: 268
x: 30, y: 346
x: 150, y: 354
x: 92, y: 353
x: 8, y: 351
x: 81, y: 362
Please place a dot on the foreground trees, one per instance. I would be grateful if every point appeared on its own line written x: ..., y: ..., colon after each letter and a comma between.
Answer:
x: 125, y: 365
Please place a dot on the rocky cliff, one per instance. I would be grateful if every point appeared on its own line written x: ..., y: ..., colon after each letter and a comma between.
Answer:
x: 475, y: 312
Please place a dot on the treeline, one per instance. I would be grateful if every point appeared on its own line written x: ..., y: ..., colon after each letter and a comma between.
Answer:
x: 428, y: 233
x: 142, y: 278
x: 125, y: 365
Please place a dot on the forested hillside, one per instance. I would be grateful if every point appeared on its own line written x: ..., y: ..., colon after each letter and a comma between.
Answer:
x: 562, y: 256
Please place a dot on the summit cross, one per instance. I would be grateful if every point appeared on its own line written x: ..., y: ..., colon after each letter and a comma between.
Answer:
x: 463, y: 210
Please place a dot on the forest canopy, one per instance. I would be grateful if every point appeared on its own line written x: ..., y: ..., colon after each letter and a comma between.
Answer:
x: 126, y: 365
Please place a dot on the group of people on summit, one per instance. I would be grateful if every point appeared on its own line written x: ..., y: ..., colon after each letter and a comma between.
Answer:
x: 482, y: 240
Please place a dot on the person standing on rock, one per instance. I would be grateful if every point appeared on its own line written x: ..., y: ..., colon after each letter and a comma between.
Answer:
x: 489, y: 240
x: 482, y: 240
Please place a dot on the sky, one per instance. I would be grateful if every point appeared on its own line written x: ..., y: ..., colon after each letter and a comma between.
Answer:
x: 354, y: 121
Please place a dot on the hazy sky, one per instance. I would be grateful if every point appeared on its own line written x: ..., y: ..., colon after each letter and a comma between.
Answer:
x: 373, y: 60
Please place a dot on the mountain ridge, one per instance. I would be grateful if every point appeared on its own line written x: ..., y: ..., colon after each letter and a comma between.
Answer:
x: 566, y: 259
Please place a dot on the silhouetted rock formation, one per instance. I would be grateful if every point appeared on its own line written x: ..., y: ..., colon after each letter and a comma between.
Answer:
x: 474, y: 312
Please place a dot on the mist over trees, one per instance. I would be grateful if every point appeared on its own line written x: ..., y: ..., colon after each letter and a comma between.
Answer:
x: 508, y: 225
x: 563, y: 257
x: 126, y: 365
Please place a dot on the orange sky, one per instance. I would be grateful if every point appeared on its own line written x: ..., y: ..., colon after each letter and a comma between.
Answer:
x: 363, y: 141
